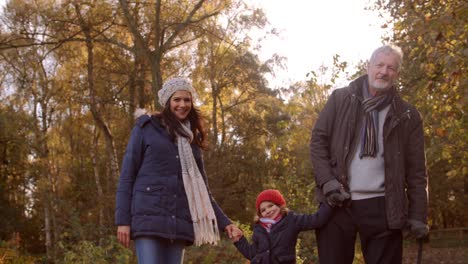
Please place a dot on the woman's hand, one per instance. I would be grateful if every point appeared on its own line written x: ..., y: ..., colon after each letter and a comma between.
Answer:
x: 234, y: 233
x: 123, y: 235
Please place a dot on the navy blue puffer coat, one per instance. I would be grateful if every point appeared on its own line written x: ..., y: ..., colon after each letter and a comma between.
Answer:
x: 151, y: 196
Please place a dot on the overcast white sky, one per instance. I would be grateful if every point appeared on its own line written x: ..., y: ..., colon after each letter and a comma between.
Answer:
x: 312, y: 31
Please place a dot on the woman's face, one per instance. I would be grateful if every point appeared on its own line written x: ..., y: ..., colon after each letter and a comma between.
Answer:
x: 269, y: 210
x: 181, y: 104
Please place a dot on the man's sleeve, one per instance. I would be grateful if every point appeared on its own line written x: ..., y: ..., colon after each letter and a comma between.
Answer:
x: 416, y: 174
x: 320, y: 142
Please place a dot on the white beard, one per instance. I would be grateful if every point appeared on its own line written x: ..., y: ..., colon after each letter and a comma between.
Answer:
x: 380, y: 84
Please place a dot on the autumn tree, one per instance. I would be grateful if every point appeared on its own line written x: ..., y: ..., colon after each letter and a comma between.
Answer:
x: 75, y: 68
x: 433, y: 37
x: 165, y: 27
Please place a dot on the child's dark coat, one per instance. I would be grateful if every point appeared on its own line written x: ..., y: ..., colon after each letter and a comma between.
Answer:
x: 279, y: 246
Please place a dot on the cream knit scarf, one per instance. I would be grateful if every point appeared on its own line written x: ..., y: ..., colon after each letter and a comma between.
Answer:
x: 205, y: 226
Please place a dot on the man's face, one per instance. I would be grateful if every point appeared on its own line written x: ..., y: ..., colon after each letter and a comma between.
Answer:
x: 383, y: 72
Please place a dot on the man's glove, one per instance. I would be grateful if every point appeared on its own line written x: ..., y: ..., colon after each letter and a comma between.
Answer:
x: 418, y: 229
x: 335, y: 193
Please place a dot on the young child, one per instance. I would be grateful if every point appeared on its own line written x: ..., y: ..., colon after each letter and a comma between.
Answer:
x: 275, y: 232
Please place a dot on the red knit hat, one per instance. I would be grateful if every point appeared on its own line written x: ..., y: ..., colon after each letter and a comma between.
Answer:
x: 271, y: 195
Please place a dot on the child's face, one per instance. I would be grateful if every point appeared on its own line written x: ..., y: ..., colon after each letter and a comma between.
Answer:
x: 269, y: 210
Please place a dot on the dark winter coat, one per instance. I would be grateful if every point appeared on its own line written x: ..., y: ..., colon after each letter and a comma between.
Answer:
x: 279, y: 246
x: 151, y: 196
x: 405, y: 164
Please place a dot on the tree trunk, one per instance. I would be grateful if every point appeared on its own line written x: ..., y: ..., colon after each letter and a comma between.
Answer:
x: 48, y: 186
x: 223, y: 124
x: 132, y: 87
x: 140, y: 82
x: 47, y: 230
x: 214, y: 111
x: 100, y: 193
x: 110, y: 146
x: 156, y: 77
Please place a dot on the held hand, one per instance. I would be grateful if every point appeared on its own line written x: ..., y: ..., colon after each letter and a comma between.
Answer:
x: 123, y: 235
x: 418, y: 229
x: 236, y: 234
x: 233, y: 232
x: 337, y: 198
x: 335, y: 193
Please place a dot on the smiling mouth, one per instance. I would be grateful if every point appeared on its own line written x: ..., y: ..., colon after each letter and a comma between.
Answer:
x: 382, y: 77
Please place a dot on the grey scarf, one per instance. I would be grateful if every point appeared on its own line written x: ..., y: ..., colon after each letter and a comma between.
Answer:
x: 370, y: 128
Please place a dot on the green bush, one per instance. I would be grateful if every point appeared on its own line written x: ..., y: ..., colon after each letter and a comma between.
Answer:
x: 11, y: 255
x: 88, y: 252
x: 224, y: 252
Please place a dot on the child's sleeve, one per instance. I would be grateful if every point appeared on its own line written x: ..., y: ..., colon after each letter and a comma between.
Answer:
x: 314, y: 221
x: 247, y: 249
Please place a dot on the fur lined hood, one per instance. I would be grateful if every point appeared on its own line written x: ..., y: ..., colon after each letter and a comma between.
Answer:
x: 139, y: 112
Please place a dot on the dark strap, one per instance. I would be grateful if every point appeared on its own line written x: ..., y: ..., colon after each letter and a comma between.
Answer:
x: 420, y: 248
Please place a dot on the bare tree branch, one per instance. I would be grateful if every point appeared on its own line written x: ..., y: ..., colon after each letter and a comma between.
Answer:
x: 138, y: 38
x: 181, y: 26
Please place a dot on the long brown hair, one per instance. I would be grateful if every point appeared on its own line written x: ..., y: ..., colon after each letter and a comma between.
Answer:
x: 174, y: 127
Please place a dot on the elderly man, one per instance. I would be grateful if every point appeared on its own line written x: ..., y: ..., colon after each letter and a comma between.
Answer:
x: 367, y: 151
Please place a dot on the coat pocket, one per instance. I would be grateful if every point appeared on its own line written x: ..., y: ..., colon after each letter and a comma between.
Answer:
x: 149, y: 200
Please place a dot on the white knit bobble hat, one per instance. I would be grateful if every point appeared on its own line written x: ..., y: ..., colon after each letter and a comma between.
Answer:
x: 173, y: 85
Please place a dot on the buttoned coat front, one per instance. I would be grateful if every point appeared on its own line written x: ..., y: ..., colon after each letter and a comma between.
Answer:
x: 150, y: 196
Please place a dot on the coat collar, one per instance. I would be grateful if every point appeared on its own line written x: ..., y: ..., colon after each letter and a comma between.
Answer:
x: 397, y: 105
x: 282, y: 224
x: 356, y: 85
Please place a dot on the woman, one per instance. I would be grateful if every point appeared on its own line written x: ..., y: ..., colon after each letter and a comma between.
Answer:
x: 162, y: 200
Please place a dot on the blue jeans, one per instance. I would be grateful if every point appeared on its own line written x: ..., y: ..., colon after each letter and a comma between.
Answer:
x: 153, y: 250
